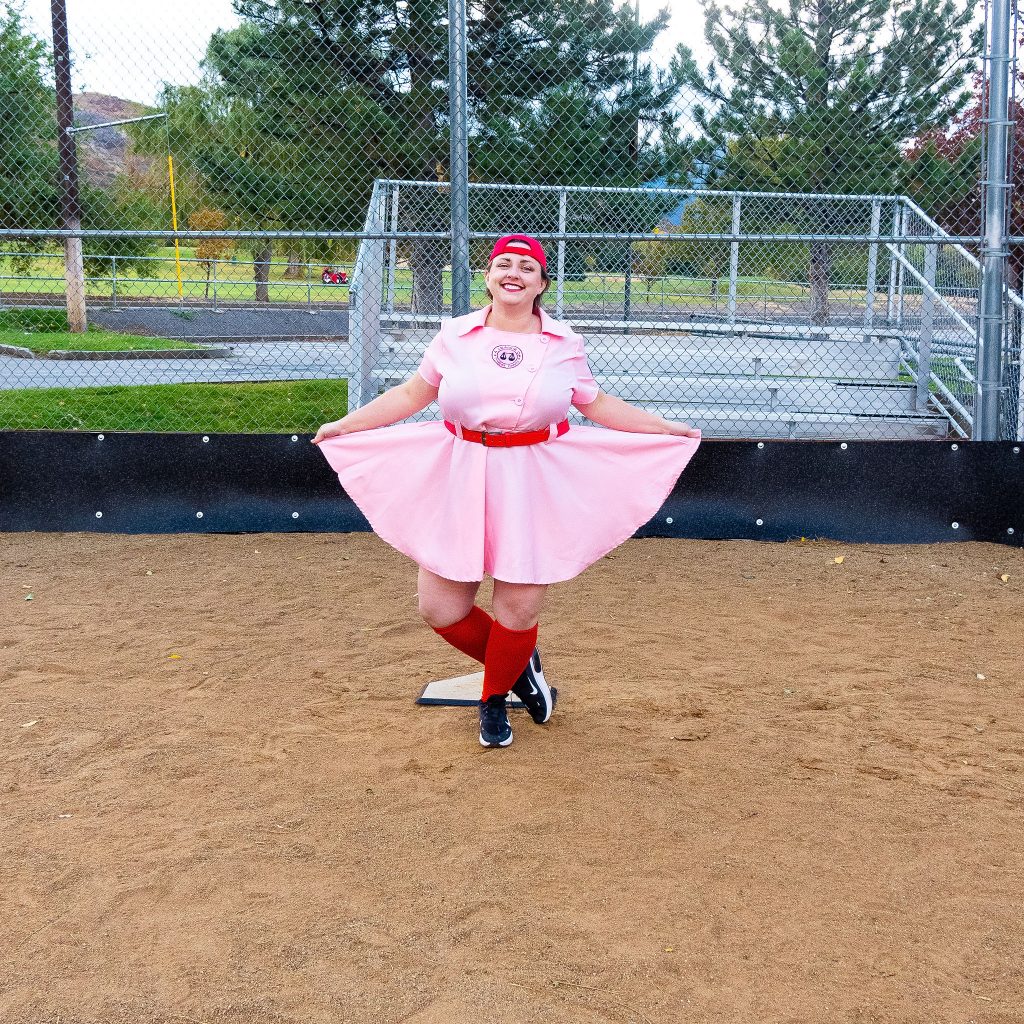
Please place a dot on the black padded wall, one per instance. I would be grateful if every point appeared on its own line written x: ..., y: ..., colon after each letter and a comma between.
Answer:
x: 880, y: 491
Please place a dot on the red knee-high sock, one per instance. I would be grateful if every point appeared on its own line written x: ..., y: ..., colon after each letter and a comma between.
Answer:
x: 508, y: 651
x: 470, y: 634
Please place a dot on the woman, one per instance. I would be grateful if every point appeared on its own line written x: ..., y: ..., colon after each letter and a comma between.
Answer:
x: 502, y: 486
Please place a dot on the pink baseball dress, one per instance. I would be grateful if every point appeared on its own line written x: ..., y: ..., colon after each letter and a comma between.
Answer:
x: 534, y: 514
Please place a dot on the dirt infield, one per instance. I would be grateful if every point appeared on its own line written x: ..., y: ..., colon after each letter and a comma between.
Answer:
x: 778, y: 787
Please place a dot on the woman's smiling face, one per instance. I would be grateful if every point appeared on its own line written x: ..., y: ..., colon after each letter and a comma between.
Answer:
x: 514, y: 281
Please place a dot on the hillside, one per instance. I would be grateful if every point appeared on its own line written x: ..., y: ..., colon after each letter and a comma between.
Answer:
x: 106, y: 152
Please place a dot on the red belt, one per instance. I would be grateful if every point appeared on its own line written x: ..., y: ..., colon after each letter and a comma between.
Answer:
x: 505, y: 439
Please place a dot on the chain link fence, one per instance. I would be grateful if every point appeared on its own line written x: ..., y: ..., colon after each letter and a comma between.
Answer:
x: 781, y: 226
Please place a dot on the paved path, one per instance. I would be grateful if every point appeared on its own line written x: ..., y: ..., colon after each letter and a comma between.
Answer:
x: 167, y: 322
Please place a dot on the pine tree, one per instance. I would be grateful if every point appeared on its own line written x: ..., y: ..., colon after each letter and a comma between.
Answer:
x: 820, y: 96
x: 307, y: 103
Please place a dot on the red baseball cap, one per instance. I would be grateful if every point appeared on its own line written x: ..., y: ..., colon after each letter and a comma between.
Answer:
x: 524, y: 245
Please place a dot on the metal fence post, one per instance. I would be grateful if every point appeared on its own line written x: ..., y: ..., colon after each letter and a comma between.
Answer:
x: 734, y: 259
x: 393, y: 249
x: 901, y: 270
x: 113, y: 281
x: 560, y: 271
x: 365, y: 307
x: 924, y: 345
x: 459, y: 154
x: 876, y: 220
x: 627, y: 289
x: 356, y: 331
x: 890, y: 300
x: 1020, y: 396
x: 994, y: 246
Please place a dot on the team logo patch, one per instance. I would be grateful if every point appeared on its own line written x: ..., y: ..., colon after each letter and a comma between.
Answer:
x: 507, y: 356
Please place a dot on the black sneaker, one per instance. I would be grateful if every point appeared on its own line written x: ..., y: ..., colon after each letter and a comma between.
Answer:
x: 532, y: 689
x: 494, y: 728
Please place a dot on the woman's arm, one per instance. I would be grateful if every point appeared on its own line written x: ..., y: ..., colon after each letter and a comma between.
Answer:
x: 394, y: 405
x: 619, y: 415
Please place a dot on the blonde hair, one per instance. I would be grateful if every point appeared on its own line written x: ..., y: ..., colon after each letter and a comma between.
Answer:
x: 543, y: 276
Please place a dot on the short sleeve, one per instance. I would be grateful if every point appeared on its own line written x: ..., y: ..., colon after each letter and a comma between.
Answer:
x: 430, y: 365
x: 586, y: 388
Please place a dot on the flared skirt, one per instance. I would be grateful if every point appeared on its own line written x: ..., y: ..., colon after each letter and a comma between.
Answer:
x: 537, y: 514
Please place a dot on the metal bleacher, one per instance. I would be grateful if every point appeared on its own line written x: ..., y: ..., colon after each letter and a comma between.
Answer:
x: 894, y: 360
x: 742, y: 387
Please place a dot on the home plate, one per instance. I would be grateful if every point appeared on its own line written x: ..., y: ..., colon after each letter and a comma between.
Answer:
x: 460, y: 691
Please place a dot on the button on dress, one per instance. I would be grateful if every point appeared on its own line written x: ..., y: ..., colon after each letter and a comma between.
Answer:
x: 539, y: 513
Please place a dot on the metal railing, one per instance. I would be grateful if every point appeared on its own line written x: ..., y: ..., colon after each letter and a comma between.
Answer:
x: 924, y: 301
x: 889, y: 354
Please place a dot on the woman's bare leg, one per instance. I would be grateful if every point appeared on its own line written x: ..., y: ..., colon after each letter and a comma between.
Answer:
x: 443, y: 602
x: 518, y: 605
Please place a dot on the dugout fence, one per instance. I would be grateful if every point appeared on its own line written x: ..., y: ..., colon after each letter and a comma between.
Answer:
x: 800, y: 228
x: 878, y: 341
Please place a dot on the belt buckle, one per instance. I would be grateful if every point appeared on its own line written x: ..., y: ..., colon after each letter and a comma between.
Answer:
x: 493, y: 438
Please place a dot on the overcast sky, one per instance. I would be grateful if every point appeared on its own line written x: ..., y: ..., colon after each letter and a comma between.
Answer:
x: 128, y: 48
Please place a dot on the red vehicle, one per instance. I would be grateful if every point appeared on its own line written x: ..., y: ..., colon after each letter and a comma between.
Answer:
x: 332, y: 276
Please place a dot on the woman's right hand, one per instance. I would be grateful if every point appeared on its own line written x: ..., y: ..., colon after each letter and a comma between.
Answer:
x: 332, y: 429
x: 394, y: 405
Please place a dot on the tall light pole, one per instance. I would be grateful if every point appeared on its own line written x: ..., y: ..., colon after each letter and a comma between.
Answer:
x: 70, y: 198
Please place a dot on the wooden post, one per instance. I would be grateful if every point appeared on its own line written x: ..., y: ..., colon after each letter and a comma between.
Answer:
x: 71, y: 204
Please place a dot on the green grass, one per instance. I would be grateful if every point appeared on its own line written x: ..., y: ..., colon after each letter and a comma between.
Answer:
x: 235, y: 284
x: 292, y: 407
x: 945, y: 368
x: 157, y: 278
x: 46, y: 330
x: 98, y: 341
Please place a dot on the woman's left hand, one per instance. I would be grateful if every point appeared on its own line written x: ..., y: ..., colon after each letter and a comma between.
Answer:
x: 613, y: 412
x: 682, y: 429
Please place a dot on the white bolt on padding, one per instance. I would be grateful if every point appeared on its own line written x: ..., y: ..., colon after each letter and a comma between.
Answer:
x: 844, y: 446
x: 199, y: 515
x: 99, y: 437
x: 956, y: 526
x: 1009, y: 529
x: 668, y: 519
x: 760, y: 522
x: 295, y: 437
x: 760, y: 444
x: 205, y: 439
x: 955, y: 447
x: 295, y: 515
x: 99, y: 515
